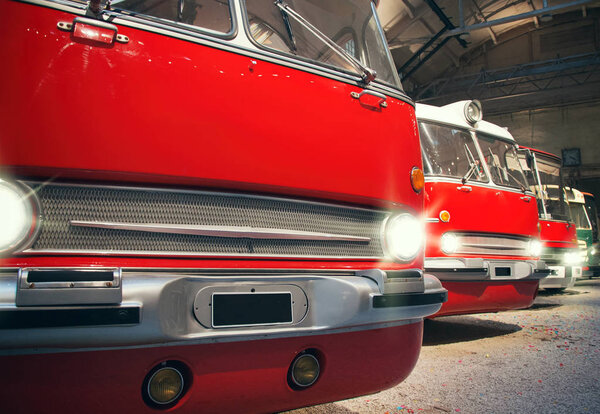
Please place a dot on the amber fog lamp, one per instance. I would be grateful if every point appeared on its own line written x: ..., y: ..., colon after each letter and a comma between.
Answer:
x: 444, y: 216
x: 17, y: 210
x: 473, y: 112
x: 165, y: 386
x: 304, y: 371
x: 417, y: 179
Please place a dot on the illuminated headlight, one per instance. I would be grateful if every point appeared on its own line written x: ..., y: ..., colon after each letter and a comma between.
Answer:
x: 449, y: 243
x: 535, y: 248
x: 403, y: 237
x: 17, y: 211
x: 572, y: 258
x: 473, y: 111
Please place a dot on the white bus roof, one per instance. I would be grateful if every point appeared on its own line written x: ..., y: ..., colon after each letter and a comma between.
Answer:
x: 575, y: 196
x: 454, y: 114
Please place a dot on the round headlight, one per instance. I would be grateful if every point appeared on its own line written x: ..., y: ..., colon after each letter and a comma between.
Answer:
x: 535, y: 248
x: 16, y: 215
x: 473, y: 111
x: 165, y: 385
x: 404, y: 237
x: 449, y: 243
x: 572, y: 258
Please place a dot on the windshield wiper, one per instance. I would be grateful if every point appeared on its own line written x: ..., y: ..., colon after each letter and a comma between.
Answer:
x: 472, y: 165
x: 500, y: 168
x: 367, y: 74
x: 288, y: 28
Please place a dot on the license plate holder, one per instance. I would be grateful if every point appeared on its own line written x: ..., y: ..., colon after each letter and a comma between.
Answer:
x: 235, y: 309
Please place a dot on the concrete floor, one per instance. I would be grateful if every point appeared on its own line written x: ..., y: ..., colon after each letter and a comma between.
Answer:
x: 545, y: 359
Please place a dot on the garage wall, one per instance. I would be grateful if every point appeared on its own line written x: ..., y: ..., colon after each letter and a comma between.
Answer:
x: 553, y: 129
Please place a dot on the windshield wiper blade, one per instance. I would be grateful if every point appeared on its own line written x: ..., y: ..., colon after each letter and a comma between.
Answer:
x: 472, y: 165
x: 367, y: 74
x: 288, y: 28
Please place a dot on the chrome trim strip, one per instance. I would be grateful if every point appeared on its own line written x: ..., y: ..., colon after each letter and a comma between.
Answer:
x: 190, y: 254
x: 437, y: 179
x: 492, y: 246
x: 432, y: 220
x: 222, y: 231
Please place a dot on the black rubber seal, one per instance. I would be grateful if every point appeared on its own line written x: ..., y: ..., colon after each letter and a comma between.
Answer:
x: 394, y: 300
x: 52, y: 318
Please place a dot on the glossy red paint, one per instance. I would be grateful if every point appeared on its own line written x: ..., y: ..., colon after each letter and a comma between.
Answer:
x: 482, y: 210
x: 556, y: 233
x: 163, y: 107
x: 174, y: 113
x: 247, y: 377
x: 490, y: 296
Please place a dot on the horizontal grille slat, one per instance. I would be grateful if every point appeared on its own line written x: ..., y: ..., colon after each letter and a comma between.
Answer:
x: 62, y: 204
x: 472, y: 243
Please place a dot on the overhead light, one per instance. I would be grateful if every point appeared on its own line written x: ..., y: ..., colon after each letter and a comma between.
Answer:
x: 473, y: 111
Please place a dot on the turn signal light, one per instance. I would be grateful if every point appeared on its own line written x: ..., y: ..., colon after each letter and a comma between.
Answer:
x: 444, y: 216
x: 417, y: 179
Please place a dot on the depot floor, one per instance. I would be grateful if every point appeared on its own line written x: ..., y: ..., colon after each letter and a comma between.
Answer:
x: 545, y: 359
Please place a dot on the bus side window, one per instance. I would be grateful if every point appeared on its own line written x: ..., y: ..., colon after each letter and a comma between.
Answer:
x: 207, y: 14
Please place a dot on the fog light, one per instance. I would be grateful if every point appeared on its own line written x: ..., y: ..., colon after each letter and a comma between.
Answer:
x: 304, y: 370
x: 165, y: 385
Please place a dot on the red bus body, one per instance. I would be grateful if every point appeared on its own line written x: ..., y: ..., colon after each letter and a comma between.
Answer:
x: 560, y: 249
x: 491, y: 268
x: 158, y: 161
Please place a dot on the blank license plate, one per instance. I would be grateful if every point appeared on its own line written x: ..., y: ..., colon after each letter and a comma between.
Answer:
x: 243, y: 309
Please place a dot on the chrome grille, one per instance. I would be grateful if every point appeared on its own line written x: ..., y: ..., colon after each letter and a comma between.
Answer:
x: 497, y: 245
x: 62, y: 204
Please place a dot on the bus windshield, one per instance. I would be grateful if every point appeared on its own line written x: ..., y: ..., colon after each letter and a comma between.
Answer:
x: 450, y: 152
x: 503, y: 161
x: 579, y: 216
x: 350, y: 24
x: 550, y: 190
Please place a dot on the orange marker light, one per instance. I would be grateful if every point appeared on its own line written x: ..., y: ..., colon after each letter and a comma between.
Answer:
x: 417, y: 179
x: 444, y: 216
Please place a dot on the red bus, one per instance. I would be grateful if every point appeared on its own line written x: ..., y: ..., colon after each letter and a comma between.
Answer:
x: 203, y: 208
x: 560, y: 249
x: 482, y: 222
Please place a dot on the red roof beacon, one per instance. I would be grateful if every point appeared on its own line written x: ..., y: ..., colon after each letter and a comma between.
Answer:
x: 481, y: 219
x: 204, y: 207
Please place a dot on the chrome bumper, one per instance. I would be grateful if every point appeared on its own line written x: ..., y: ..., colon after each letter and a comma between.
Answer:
x: 463, y: 269
x: 161, y: 307
x: 561, y: 277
